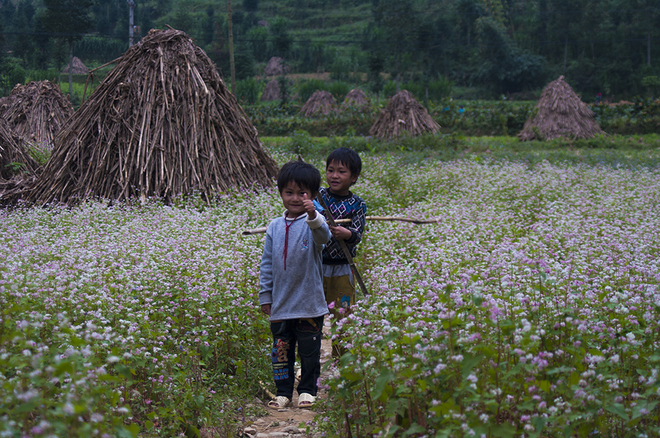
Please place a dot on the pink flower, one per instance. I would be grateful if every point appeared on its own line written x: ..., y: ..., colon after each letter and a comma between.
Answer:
x: 331, y: 305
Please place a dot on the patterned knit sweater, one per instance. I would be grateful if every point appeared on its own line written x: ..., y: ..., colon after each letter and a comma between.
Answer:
x: 344, y: 207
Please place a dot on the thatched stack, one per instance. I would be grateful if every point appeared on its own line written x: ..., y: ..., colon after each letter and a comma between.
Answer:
x: 77, y: 67
x: 36, y: 111
x: 403, y: 115
x: 271, y: 92
x: 14, y: 157
x: 162, y: 123
x: 276, y: 67
x: 321, y: 102
x: 560, y: 113
x: 356, y: 97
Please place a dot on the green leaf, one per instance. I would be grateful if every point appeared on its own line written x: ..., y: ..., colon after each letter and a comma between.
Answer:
x: 382, y: 380
x: 469, y: 362
x: 539, y: 424
x: 617, y: 409
x: 415, y: 428
x: 124, y: 371
x: 557, y: 370
x: 63, y: 367
x: 636, y: 411
x: 544, y: 385
x: 26, y: 407
x: 504, y: 430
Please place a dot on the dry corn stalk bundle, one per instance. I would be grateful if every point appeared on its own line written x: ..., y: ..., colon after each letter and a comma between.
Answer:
x: 271, y: 92
x: 36, y: 111
x: 321, y: 102
x: 78, y: 68
x: 403, y: 115
x: 560, y: 113
x: 356, y: 97
x: 162, y: 123
x: 276, y: 67
x: 14, y: 157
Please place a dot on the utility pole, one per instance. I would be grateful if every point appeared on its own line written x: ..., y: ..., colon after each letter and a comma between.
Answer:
x: 131, y: 8
x: 232, y: 67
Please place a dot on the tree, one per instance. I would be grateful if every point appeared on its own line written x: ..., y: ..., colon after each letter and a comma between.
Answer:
x: 68, y: 20
x: 257, y: 38
x: 209, y: 25
x: 251, y: 6
x: 398, y: 19
x: 280, y: 37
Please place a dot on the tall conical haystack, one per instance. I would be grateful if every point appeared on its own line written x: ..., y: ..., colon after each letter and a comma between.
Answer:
x: 276, y: 67
x: 36, y: 111
x: 356, y: 97
x: 321, y: 102
x: 271, y: 92
x: 162, y: 123
x: 403, y: 114
x: 560, y: 113
x: 14, y: 157
x: 78, y: 68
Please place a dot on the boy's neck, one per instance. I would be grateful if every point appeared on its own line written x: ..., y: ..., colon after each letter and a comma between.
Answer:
x: 288, y: 216
x: 348, y: 192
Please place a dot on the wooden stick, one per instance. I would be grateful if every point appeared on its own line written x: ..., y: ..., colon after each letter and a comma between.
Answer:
x: 369, y: 218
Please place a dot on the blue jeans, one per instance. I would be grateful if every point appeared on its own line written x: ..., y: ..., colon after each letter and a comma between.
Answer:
x: 306, y: 333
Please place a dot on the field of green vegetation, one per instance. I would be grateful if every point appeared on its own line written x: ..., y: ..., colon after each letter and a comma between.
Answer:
x: 530, y: 309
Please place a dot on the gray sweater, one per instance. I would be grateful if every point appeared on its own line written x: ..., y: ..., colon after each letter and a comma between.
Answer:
x: 297, y: 291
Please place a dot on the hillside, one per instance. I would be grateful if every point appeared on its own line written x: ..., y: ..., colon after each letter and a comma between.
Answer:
x: 497, y: 47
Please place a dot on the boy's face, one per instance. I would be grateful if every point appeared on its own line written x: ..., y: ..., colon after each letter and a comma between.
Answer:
x: 293, y: 196
x: 339, y: 178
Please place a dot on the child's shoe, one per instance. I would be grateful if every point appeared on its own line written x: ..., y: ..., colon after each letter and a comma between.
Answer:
x: 279, y: 402
x: 306, y: 401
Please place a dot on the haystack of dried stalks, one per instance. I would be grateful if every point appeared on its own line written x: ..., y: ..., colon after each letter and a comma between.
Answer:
x: 560, y: 113
x: 321, y: 102
x: 356, y: 97
x: 403, y: 115
x: 276, y: 67
x: 77, y: 67
x: 36, y: 111
x: 14, y: 157
x: 271, y: 92
x: 162, y: 123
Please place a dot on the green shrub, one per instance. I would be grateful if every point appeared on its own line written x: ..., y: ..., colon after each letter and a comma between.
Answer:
x: 306, y: 88
x: 248, y: 90
x: 11, y: 74
x: 50, y: 74
x: 339, y: 89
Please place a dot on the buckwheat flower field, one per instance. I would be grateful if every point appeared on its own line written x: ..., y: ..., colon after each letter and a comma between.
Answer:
x: 530, y: 309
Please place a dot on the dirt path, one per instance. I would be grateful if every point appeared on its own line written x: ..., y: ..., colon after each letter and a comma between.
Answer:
x: 284, y: 423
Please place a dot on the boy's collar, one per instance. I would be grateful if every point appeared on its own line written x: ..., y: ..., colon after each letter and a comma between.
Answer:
x: 293, y: 218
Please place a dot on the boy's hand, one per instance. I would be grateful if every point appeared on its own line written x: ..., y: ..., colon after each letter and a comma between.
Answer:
x: 265, y: 308
x: 308, y: 205
x: 340, y: 233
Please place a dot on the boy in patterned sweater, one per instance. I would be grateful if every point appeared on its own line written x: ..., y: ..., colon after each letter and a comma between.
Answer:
x: 343, y: 166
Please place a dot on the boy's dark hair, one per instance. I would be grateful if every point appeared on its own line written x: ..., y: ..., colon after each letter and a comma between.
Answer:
x: 348, y: 158
x: 301, y: 173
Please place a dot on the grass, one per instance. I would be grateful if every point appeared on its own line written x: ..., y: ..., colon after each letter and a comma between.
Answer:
x: 628, y: 151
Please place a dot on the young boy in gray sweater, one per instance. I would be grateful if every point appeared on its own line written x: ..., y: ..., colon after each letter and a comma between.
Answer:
x: 292, y: 284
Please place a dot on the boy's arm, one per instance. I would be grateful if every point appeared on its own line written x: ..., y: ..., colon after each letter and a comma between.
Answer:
x: 266, y: 273
x: 320, y: 231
